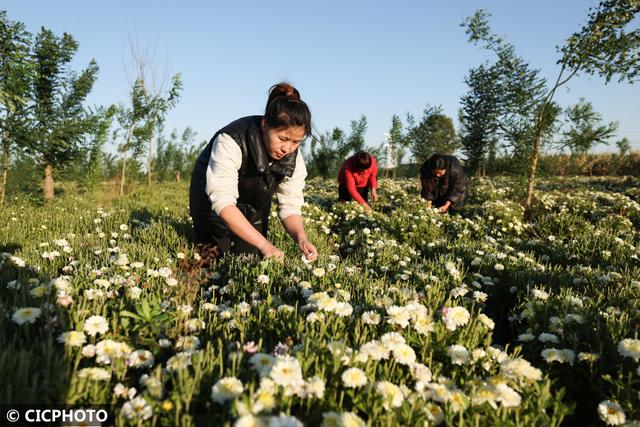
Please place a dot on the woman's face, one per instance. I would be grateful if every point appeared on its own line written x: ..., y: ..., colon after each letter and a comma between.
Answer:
x: 439, y: 172
x: 280, y: 142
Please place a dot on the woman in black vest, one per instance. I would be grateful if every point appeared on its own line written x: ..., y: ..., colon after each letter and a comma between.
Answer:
x: 239, y: 171
x: 444, y: 183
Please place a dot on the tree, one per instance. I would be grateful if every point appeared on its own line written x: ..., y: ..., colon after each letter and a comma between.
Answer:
x: 15, y: 76
x: 624, y: 146
x: 585, y: 128
x: 175, y: 156
x: 479, y: 116
x: 93, y: 167
x: 603, y: 46
x: 434, y: 134
x: 61, y: 123
x: 330, y: 149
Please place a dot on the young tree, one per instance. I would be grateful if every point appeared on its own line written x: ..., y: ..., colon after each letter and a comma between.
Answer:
x: 93, y: 167
x: 434, y: 134
x: 15, y: 75
x: 61, y: 123
x: 479, y: 115
x: 332, y: 148
x: 585, y: 128
x: 603, y: 46
x: 624, y: 146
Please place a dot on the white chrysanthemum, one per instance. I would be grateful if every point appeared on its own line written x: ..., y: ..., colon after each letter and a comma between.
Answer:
x: 629, y: 347
x: 349, y: 419
x: 283, y: 420
x: 404, y: 354
x: 140, y: 359
x: 108, y: 350
x: 72, y: 338
x: 96, y: 325
x: 95, y: 374
x: 421, y: 372
x: 226, y: 388
x: 263, y: 279
x: 188, y: 343
x: 179, y: 361
x: 249, y: 420
x: 561, y: 356
x: 540, y: 294
x: 262, y: 363
x: 286, y: 371
x: 459, y: 354
x: 398, y: 316
x: 434, y: 413
x: 26, y: 315
x: 370, y: 317
x: 392, y: 339
x: 424, y: 325
x: 520, y: 368
x: 314, y: 387
x: 526, y: 337
x: 354, y: 377
x: 507, y: 396
x: 318, y: 272
x: 391, y: 394
x: 546, y: 337
x: 453, y: 317
x: 343, y: 309
x: 485, y: 394
x: 486, y: 321
x: 331, y: 419
x: 61, y: 284
x: 137, y: 409
x: 611, y: 413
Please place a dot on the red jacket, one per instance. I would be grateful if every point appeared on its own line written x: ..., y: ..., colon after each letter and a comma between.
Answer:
x: 349, y: 177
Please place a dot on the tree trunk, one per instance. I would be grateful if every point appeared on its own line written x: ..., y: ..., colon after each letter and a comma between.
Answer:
x: 124, y: 169
x: 124, y: 160
x: 48, y: 182
x: 149, y: 164
x: 5, y: 166
x: 531, y: 185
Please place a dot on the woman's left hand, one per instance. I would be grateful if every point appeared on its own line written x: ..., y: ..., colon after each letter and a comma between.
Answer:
x: 307, y: 248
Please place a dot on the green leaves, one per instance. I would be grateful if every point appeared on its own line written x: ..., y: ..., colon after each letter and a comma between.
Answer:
x: 607, y: 45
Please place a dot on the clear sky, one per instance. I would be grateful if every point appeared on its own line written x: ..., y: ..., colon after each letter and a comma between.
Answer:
x: 347, y: 58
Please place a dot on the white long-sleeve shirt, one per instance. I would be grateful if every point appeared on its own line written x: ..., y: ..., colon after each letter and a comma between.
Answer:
x: 222, y: 179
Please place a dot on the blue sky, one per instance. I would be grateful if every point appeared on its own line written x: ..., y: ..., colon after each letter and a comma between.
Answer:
x: 347, y: 58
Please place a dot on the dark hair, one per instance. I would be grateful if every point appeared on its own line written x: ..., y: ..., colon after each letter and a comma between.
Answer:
x: 286, y: 109
x: 438, y: 161
x: 362, y: 160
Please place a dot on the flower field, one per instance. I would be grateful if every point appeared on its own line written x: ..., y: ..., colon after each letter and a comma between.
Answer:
x: 407, y: 318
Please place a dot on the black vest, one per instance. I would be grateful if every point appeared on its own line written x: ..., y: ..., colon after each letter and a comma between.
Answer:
x: 257, y: 180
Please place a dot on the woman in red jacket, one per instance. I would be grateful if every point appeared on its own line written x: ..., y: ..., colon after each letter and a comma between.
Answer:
x: 357, y: 175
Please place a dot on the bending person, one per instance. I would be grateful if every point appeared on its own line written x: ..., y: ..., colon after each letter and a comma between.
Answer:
x: 444, y: 183
x: 358, y: 175
x: 242, y: 167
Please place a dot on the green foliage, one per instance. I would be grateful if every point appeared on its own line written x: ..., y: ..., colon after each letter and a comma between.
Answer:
x: 585, y: 128
x: 479, y: 116
x: 176, y: 155
x: 433, y: 134
x: 60, y: 123
x: 605, y: 45
x: 328, y: 151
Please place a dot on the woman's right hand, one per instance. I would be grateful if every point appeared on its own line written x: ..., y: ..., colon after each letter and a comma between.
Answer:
x: 268, y: 250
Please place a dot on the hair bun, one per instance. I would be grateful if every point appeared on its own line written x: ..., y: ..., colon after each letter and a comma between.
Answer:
x: 283, y: 89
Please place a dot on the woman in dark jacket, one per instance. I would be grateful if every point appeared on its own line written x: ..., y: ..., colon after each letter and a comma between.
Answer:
x: 444, y: 183
x: 244, y: 165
